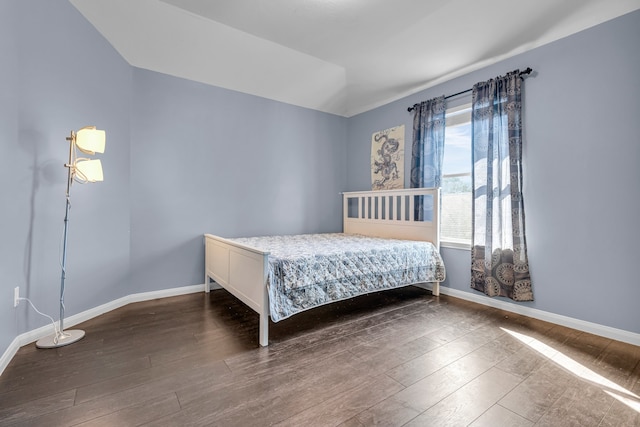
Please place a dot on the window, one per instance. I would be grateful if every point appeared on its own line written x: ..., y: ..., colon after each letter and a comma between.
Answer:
x: 455, y: 218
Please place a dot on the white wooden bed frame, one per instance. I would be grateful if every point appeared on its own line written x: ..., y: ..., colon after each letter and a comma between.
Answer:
x: 243, y: 270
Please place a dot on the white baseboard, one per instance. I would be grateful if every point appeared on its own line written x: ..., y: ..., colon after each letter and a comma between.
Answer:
x: 34, y: 335
x: 570, y: 322
x: 8, y: 354
x: 581, y: 325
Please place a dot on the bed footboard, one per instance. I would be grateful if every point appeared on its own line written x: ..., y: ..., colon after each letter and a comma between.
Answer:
x: 241, y: 270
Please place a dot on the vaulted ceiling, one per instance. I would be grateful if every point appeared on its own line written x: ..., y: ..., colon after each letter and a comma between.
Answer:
x: 338, y: 56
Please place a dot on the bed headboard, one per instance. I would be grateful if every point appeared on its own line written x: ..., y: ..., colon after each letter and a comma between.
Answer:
x: 391, y: 214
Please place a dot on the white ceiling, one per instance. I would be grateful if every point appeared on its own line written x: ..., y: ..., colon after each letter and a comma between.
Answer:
x: 339, y: 56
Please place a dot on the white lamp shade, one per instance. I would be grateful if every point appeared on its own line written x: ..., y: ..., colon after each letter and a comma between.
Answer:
x: 89, y: 170
x: 91, y: 140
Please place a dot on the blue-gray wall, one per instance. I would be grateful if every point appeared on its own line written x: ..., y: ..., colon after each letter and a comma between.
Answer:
x: 11, y: 243
x: 581, y: 174
x: 206, y: 159
x: 62, y: 75
x: 183, y: 158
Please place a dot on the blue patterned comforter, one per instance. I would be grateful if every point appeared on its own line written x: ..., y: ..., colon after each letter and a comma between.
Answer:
x: 309, y: 270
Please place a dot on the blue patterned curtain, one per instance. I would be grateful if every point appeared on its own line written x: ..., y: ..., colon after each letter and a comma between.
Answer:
x: 427, y: 150
x: 499, y: 252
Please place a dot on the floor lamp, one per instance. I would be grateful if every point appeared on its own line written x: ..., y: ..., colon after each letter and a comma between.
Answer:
x: 90, y: 141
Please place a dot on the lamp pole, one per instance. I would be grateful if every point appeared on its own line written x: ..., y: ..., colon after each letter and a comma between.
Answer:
x: 63, y: 276
x: 61, y: 337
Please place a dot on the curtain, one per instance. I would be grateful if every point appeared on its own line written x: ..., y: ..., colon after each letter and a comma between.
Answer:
x: 499, y: 265
x: 427, y: 150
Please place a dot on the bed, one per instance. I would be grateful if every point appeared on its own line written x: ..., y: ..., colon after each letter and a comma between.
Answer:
x: 390, y: 239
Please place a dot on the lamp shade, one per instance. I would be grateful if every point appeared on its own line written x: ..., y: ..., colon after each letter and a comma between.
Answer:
x: 89, y: 170
x: 91, y: 140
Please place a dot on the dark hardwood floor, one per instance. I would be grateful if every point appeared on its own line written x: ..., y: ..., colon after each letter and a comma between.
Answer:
x: 396, y: 358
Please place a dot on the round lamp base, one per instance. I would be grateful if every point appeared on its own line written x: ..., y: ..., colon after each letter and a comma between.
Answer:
x: 59, y: 340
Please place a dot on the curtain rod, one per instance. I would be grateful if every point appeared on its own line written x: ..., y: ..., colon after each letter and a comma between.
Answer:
x: 527, y: 71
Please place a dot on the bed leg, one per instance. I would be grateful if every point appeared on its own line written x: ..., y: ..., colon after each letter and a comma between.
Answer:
x: 435, y: 290
x: 264, y: 305
x: 264, y: 330
x: 207, y: 283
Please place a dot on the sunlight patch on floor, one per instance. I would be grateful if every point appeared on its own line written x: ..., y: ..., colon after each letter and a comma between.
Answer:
x: 621, y: 394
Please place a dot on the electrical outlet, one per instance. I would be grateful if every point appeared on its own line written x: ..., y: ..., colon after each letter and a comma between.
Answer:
x: 16, y: 296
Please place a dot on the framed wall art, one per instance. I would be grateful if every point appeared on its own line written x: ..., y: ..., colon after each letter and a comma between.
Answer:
x: 387, y: 159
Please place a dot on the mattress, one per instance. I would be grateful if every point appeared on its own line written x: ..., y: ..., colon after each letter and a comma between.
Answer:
x: 310, y: 270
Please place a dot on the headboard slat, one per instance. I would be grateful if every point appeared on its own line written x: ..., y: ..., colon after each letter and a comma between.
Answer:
x: 375, y: 213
